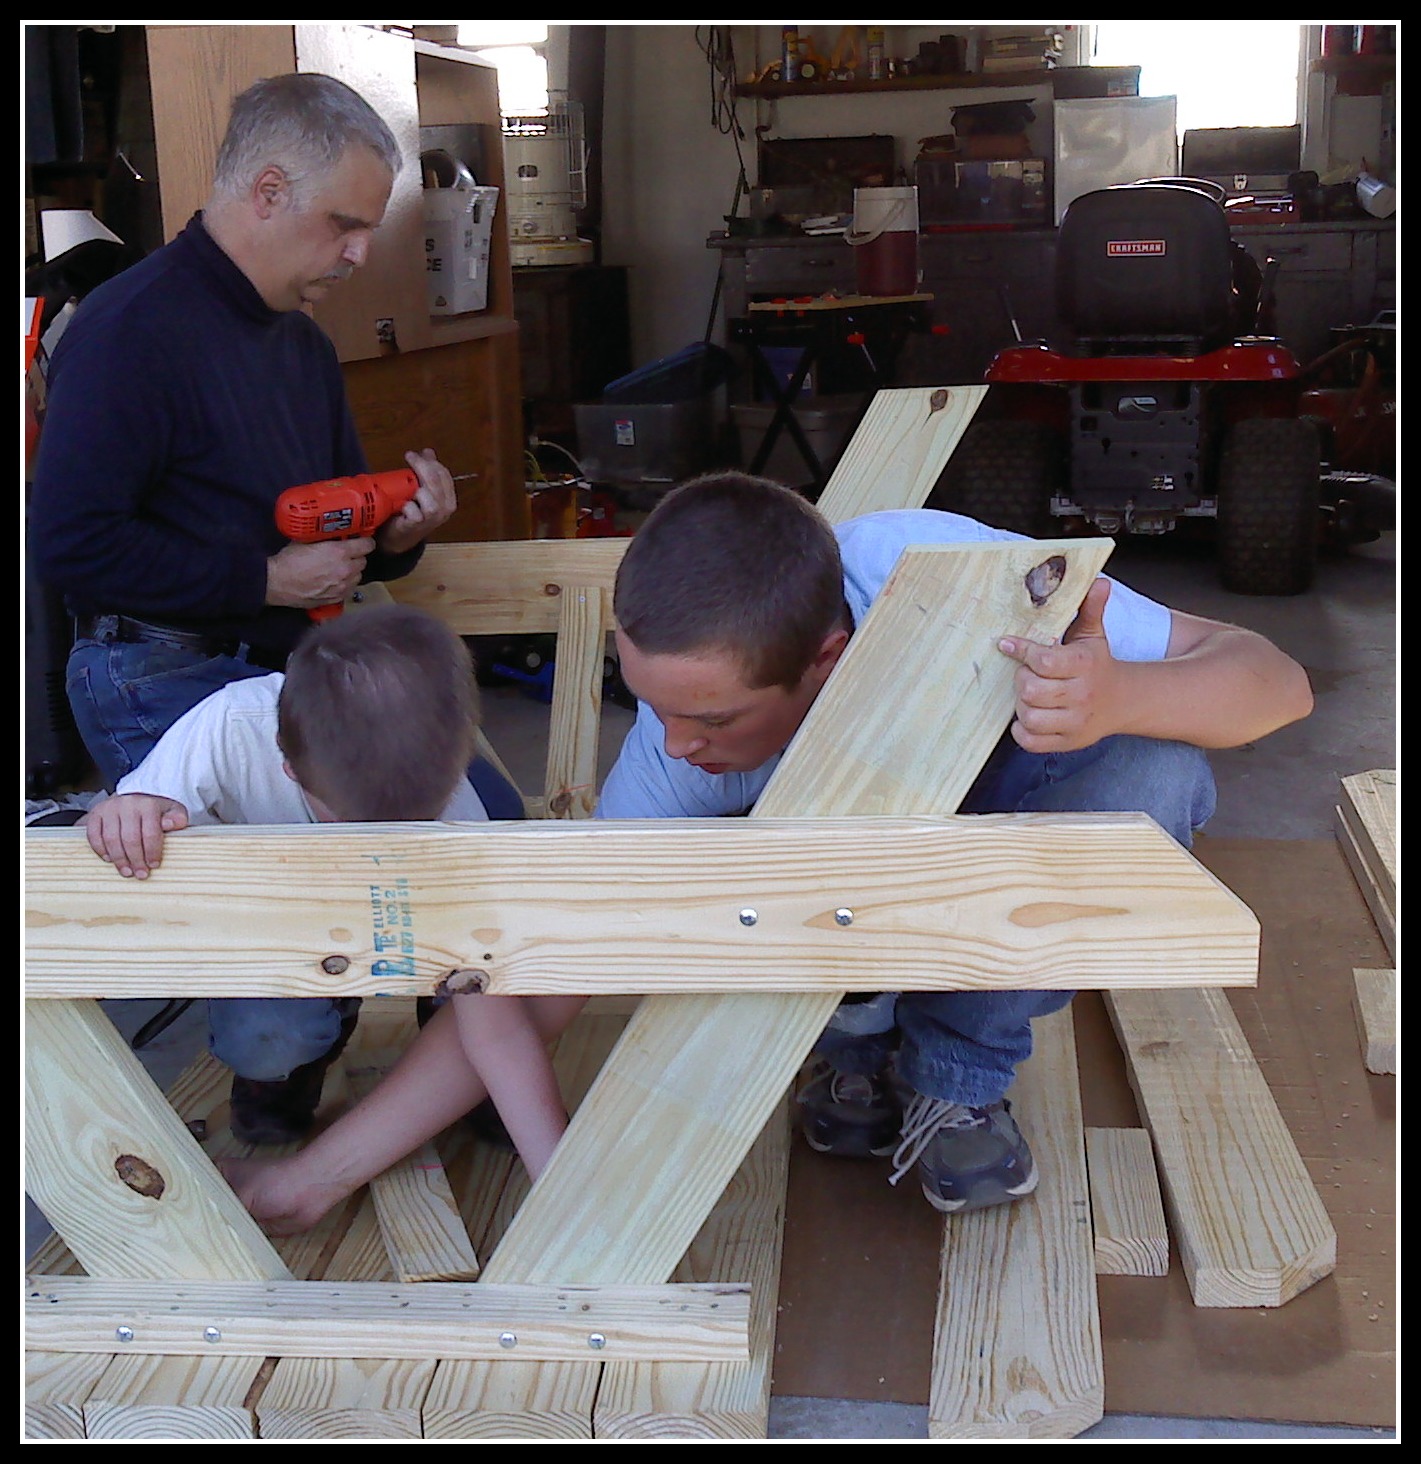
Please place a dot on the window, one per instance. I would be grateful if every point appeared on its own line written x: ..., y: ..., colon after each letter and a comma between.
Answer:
x: 1224, y: 73
x: 519, y: 50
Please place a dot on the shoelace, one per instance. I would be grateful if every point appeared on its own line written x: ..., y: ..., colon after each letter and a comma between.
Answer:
x: 923, y: 1119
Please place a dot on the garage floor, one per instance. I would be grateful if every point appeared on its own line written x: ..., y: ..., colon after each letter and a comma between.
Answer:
x: 1343, y: 631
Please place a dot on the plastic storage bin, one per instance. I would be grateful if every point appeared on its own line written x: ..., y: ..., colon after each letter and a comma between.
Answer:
x: 827, y: 421
x: 644, y: 442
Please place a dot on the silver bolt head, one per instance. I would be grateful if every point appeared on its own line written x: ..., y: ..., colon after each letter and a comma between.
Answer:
x: 508, y: 1339
x: 596, y: 1341
x: 844, y: 917
x: 211, y: 1334
x: 124, y: 1334
x: 748, y: 917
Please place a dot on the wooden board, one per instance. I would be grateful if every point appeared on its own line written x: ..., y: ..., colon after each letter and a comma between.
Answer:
x: 1126, y: 1207
x: 1058, y: 901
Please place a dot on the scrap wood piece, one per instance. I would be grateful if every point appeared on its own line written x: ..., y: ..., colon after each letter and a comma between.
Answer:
x: 1248, y: 1222
x: 574, y: 719
x: 1362, y: 860
x: 1016, y: 1348
x: 742, y: 1238
x: 419, y: 1219
x: 1374, y: 1004
x: 1127, y: 1209
x: 899, y: 449
x: 1369, y: 804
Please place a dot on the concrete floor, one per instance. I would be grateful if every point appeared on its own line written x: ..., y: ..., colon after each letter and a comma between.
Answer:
x: 1285, y: 787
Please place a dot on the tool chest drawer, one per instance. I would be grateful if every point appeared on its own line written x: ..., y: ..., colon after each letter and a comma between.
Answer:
x: 800, y: 271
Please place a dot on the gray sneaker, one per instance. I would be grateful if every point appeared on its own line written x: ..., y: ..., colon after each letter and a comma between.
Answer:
x: 848, y: 1114
x: 967, y: 1158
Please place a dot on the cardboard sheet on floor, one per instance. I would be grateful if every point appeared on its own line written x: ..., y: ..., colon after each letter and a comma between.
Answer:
x: 860, y: 1258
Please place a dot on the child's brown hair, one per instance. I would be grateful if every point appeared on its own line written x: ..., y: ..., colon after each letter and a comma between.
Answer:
x: 378, y: 714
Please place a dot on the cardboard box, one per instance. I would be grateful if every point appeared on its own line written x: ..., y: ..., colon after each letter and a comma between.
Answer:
x: 458, y: 235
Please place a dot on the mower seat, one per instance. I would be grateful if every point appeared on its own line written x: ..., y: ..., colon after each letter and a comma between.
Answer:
x: 1146, y: 268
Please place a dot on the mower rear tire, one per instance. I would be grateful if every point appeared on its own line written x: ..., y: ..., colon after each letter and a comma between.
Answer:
x: 1270, y: 510
x: 1005, y: 474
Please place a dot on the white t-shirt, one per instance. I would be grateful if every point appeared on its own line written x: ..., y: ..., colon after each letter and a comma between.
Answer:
x: 222, y: 763
x: 646, y: 783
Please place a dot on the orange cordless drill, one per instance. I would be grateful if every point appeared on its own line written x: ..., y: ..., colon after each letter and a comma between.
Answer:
x: 343, y: 508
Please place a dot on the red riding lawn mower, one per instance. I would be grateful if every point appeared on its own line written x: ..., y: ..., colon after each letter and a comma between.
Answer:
x: 1168, y: 405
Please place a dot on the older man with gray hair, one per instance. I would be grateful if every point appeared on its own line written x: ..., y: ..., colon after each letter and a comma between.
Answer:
x: 187, y: 393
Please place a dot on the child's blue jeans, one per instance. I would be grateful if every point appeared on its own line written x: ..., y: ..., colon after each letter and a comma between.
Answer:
x: 965, y: 1045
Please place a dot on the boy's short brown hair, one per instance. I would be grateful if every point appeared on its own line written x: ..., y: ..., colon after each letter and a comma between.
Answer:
x: 378, y: 714
x: 732, y: 563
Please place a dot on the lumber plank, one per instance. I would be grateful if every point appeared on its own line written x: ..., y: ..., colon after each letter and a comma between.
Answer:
x: 695, y: 1078
x: 1362, y: 861
x: 1247, y: 1220
x: 685, y: 1323
x: 419, y: 1220
x: 1058, y: 900
x: 348, y: 1398
x: 1374, y: 1004
x: 899, y: 449
x: 1016, y: 1348
x: 57, y: 1384
x: 742, y: 1239
x: 1127, y: 1209
x: 574, y: 722
x: 1369, y: 802
x: 114, y: 1169
x: 506, y: 588
x: 515, y: 1399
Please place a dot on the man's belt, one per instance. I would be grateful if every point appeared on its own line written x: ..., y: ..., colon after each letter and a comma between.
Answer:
x: 123, y: 628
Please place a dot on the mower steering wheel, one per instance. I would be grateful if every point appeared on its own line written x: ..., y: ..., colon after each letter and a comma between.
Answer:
x: 1206, y: 186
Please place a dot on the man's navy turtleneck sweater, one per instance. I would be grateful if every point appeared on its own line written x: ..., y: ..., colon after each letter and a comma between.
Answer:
x: 179, y: 406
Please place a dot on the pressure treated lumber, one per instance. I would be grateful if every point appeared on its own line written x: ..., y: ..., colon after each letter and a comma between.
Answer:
x: 574, y: 719
x: 419, y: 1219
x: 695, y: 1078
x: 113, y: 1168
x: 686, y: 1323
x: 512, y: 588
x: 899, y: 449
x: 1016, y: 1348
x: 1366, y: 834
x: 1374, y: 1004
x: 511, y: 1398
x: 742, y: 1238
x: 347, y: 1398
x: 1369, y: 804
x: 1246, y: 1217
x: 1058, y: 901
x: 1127, y: 1209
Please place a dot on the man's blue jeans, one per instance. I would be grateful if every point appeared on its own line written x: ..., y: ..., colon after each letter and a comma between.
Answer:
x: 965, y: 1045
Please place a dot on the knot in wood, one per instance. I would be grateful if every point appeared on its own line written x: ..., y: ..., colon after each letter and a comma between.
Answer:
x: 462, y: 981
x: 560, y: 802
x: 140, y: 1176
x: 1043, y: 581
x: 552, y: 589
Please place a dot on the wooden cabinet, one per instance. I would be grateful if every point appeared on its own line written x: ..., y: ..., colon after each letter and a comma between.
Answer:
x: 574, y: 337
x: 415, y: 381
